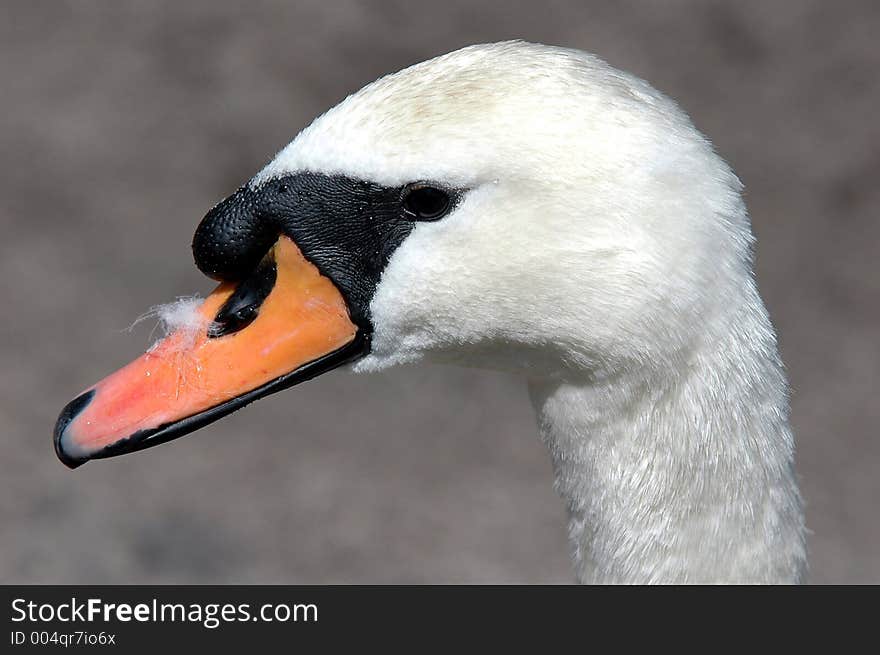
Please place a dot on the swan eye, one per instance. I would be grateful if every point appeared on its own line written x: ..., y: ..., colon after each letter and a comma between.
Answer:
x: 425, y: 203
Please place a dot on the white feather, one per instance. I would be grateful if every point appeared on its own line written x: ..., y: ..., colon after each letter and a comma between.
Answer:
x: 180, y: 315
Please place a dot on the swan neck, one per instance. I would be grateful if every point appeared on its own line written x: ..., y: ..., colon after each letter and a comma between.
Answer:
x: 682, y: 475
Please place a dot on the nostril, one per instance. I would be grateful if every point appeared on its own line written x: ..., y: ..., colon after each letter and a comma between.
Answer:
x: 243, y: 306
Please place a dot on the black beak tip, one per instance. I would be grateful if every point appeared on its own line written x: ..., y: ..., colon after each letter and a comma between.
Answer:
x: 68, y: 414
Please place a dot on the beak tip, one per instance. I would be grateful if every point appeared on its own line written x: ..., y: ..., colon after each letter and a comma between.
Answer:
x: 69, y: 462
x: 67, y: 416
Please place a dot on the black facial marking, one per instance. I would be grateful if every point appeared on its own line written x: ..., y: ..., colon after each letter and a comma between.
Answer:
x: 348, y: 228
x: 243, y: 306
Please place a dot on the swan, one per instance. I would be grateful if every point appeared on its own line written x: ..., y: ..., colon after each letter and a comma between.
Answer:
x: 525, y: 208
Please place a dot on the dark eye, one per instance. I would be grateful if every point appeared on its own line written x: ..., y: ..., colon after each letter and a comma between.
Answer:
x: 425, y: 203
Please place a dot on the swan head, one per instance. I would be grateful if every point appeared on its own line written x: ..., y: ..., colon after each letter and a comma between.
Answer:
x: 510, y: 205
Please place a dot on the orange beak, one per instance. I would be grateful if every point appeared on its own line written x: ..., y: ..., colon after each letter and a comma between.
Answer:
x: 286, y: 324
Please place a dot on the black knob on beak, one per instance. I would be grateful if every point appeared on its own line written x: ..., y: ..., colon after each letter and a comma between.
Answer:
x: 234, y: 236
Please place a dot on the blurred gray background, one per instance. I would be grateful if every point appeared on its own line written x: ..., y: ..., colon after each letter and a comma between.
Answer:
x: 122, y: 123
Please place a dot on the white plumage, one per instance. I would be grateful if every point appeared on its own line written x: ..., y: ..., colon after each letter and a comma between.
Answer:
x: 604, y: 251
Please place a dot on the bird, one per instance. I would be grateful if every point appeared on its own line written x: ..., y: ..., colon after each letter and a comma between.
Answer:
x: 524, y: 208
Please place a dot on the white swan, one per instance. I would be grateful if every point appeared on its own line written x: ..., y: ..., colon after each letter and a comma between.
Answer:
x: 526, y: 208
